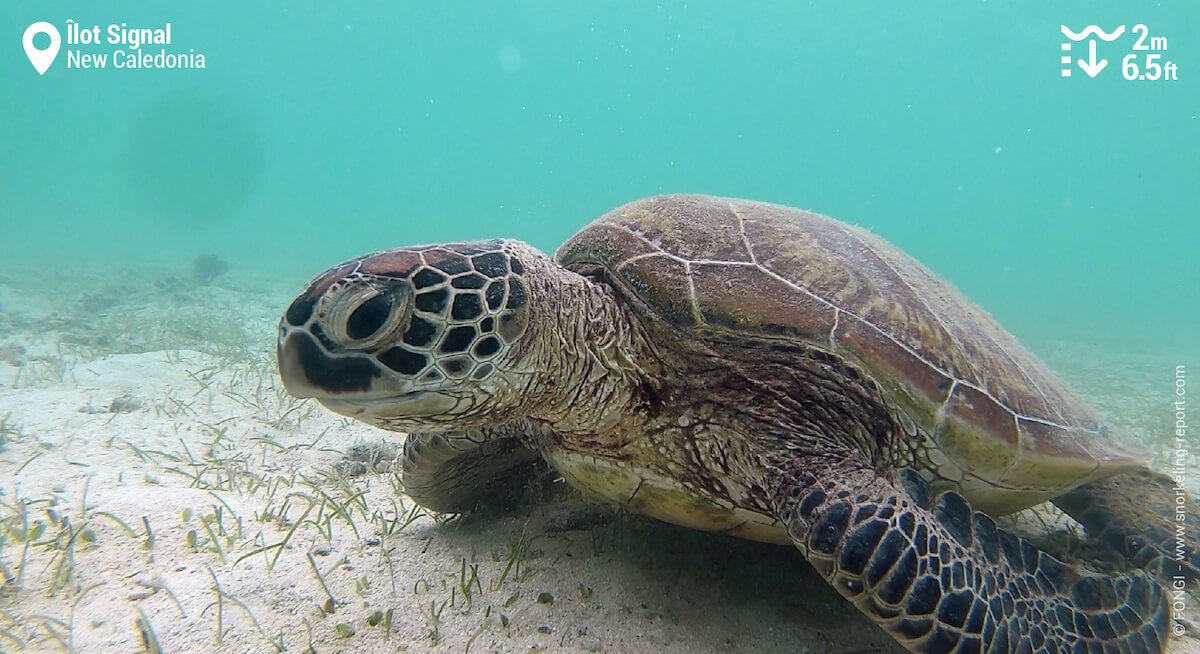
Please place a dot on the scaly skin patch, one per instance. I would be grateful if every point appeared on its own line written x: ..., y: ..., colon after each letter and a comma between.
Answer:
x: 941, y: 578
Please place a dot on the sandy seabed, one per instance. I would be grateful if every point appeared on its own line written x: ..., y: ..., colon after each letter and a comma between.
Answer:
x: 159, y: 491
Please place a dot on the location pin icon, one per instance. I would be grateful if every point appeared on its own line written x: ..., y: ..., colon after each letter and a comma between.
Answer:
x: 41, y: 59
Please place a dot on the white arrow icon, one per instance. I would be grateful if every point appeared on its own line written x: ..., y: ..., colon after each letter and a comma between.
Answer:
x: 41, y: 59
x: 1091, y: 66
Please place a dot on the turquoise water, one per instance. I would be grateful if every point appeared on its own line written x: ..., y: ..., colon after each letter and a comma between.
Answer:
x: 1066, y: 206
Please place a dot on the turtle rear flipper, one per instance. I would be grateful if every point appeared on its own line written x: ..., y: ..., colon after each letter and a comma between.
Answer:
x: 1143, y: 515
x: 941, y: 578
x: 456, y: 472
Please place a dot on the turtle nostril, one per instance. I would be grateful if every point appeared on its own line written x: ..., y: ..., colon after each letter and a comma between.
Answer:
x: 369, y: 317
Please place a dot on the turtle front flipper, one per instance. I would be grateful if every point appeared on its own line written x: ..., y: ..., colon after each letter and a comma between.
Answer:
x: 941, y: 578
x: 1145, y: 516
x: 456, y: 472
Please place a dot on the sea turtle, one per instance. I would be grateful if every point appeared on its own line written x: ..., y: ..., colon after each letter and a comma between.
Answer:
x: 765, y: 372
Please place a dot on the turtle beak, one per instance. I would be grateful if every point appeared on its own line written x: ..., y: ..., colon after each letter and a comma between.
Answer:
x: 291, y: 368
x: 351, y: 384
x: 308, y: 370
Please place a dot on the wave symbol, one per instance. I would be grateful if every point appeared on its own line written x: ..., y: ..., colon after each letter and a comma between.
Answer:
x: 1092, y: 29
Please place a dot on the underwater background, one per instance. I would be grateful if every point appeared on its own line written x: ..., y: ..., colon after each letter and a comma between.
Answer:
x: 1066, y: 206
x: 155, y: 223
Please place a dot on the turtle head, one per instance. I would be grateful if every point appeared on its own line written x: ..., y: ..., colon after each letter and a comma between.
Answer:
x: 414, y: 338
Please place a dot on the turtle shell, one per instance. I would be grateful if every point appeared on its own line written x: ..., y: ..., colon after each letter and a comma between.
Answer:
x: 996, y: 421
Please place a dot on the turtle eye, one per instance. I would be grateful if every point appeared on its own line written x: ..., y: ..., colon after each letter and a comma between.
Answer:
x: 361, y: 316
x: 369, y: 317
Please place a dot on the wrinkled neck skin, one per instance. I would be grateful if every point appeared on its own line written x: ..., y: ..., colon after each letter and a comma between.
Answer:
x: 584, y: 360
